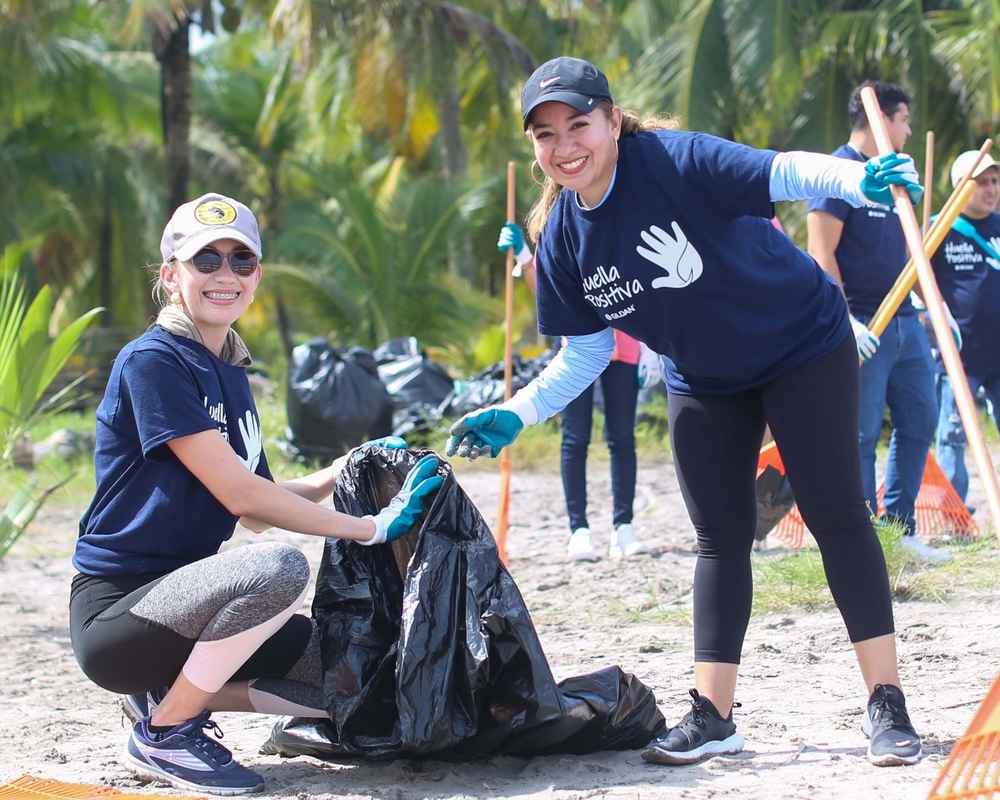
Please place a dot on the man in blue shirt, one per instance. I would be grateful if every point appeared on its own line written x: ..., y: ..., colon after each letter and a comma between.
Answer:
x: 967, y: 267
x: 864, y: 250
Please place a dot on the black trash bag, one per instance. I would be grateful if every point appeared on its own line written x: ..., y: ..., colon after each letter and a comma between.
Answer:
x: 486, y: 388
x: 335, y: 401
x: 444, y: 661
x: 774, y: 500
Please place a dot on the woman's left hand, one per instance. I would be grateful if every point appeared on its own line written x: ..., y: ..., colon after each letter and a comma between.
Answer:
x: 410, y: 502
x: 884, y: 172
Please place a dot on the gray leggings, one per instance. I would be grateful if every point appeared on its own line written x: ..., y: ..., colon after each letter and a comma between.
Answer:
x: 229, y: 617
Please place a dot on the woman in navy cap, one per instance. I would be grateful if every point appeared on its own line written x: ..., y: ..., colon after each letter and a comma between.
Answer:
x: 666, y: 235
x: 157, y: 613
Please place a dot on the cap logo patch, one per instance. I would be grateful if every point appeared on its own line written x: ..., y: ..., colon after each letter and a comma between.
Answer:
x: 215, y: 212
x: 548, y: 81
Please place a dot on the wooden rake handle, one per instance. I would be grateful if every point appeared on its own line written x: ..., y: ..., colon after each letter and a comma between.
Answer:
x: 936, y: 310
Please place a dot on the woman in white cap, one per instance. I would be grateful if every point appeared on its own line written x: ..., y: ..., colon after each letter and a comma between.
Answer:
x: 967, y: 267
x: 667, y: 236
x: 157, y: 613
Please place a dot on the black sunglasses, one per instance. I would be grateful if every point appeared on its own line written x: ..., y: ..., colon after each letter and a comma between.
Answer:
x: 242, y: 261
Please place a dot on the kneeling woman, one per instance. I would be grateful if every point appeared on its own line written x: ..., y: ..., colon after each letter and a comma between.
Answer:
x: 157, y: 612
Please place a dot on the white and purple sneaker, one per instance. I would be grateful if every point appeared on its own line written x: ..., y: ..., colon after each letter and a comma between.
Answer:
x: 187, y: 758
x: 140, y: 706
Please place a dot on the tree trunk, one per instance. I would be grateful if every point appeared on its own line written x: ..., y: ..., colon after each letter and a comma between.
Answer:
x: 460, y: 260
x: 172, y: 50
x: 104, y: 256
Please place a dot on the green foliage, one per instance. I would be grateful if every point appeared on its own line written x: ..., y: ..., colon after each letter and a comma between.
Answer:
x: 29, y: 362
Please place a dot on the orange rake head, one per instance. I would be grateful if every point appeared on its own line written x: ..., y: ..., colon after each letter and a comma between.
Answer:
x: 973, y: 766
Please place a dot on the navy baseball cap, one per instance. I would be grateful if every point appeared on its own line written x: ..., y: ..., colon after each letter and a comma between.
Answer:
x: 573, y: 81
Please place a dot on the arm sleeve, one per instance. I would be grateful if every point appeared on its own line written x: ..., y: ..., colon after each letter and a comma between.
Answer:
x: 798, y: 175
x: 164, y: 399
x: 572, y: 370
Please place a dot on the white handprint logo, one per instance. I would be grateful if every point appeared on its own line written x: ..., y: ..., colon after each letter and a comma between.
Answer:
x: 995, y: 244
x: 251, y: 441
x: 673, y: 254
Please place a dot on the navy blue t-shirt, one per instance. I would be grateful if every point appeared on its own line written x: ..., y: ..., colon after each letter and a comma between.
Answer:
x: 969, y: 280
x: 149, y: 513
x: 872, y: 249
x: 682, y: 256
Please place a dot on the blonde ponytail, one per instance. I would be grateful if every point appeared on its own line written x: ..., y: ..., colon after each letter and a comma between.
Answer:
x: 631, y: 125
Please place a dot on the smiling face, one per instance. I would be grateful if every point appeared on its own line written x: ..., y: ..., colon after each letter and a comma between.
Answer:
x: 576, y: 150
x: 216, y: 300
x: 984, y: 201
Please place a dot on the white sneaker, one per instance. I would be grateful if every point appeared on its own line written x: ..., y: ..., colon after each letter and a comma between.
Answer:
x: 624, y: 542
x: 580, y: 548
x: 924, y: 552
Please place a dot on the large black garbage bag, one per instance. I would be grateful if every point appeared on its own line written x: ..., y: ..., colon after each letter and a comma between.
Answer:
x: 487, y: 387
x: 444, y: 660
x: 335, y: 400
x: 417, y: 385
x: 774, y: 500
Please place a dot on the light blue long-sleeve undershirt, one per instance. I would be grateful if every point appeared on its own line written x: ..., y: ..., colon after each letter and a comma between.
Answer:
x: 796, y: 175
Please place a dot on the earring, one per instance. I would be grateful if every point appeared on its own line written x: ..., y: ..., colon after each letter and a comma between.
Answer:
x: 252, y: 296
x: 175, y: 298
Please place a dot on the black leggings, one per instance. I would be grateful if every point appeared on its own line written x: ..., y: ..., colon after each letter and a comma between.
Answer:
x: 813, y: 414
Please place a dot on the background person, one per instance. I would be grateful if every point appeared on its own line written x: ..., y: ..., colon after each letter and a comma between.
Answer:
x: 666, y: 235
x: 620, y: 384
x: 863, y: 250
x: 967, y: 267
x: 156, y: 611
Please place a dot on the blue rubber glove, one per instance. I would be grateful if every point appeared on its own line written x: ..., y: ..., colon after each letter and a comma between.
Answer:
x: 892, y: 169
x: 512, y: 238
x: 492, y: 428
x: 388, y: 442
x: 866, y: 341
x: 409, y: 503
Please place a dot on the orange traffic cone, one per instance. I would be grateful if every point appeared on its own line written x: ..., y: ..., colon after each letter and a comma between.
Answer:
x: 973, y: 766
x: 791, y: 529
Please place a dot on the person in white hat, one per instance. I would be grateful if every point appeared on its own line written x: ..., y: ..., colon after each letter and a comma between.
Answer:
x: 157, y: 613
x: 967, y: 267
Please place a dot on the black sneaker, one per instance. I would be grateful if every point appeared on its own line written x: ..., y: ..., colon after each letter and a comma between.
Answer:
x: 894, y: 742
x: 701, y: 734
x: 140, y: 706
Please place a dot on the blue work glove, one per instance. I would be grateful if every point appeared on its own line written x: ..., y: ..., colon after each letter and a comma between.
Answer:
x: 388, y: 442
x: 409, y: 503
x: 892, y: 169
x: 866, y: 341
x: 492, y: 428
x: 512, y: 238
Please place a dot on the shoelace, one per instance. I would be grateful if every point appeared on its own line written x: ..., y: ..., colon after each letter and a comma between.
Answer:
x: 214, y: 750
x: 885, y: 710
x: 696, y: 719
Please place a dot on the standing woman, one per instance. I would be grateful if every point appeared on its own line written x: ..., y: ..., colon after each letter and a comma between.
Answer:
x: 620, y: 384
x: 157, y: 613
x: 666, y: 235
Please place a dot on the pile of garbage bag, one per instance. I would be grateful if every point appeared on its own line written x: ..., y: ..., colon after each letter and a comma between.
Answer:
x: 336, y: 400
x: 434, y: 653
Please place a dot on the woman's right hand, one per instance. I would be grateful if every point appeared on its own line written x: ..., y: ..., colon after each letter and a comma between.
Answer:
x: 512, y: 238
x: 492, y: 428
x: 410, y: 502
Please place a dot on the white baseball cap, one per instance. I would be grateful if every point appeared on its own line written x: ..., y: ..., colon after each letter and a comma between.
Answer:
x: 964, y: 161
x: 205, y: 220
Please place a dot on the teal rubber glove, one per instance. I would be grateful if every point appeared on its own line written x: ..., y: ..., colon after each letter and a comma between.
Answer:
x: 410, y: 502
x: 892, y: 169
x: 492, y: 428
x: 866, y: 341
x: 512, y: 238
x: 388, y: 442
